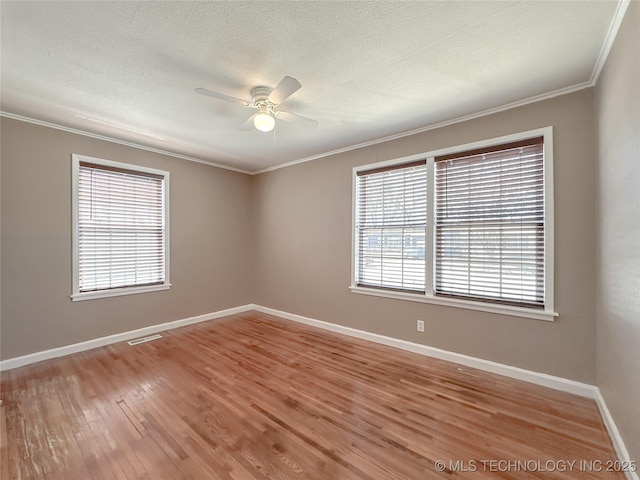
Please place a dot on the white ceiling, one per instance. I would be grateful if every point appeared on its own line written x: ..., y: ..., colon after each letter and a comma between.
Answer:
x: 368, y: 70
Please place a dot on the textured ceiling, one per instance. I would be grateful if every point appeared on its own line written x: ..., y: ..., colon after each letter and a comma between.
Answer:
x: 368, y: 69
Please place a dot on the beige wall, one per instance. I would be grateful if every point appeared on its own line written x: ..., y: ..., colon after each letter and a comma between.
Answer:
x: 618, y: 319
x: 303, y: 242
x: 210, y: 242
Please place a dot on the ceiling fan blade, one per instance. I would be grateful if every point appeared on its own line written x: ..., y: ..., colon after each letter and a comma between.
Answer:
x: 299, y: 119
x: 287, y: 87
x: 248, y: 124
x: 220, y: 96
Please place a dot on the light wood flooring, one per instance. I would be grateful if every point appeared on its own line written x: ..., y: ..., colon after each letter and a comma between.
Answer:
x: 253, y: 396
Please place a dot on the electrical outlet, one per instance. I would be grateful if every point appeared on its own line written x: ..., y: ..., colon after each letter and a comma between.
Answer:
x: 420, y: 325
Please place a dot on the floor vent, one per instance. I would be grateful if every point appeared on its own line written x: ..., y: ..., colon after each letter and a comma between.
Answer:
x: 138, y: 341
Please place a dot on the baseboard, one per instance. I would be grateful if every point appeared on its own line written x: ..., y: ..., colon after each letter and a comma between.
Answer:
x: 116, y: 338
x: 557, y: 383
x: 543, y: 379
x: 517, y: 373
x: 614, y: 434
x: 538, y: 378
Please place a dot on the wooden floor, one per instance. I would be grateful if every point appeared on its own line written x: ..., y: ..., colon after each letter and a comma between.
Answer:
x: 252, y: 396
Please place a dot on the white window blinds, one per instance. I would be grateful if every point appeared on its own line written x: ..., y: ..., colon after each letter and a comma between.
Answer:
x: 390, y: 227
x: 489, y: 224
x: 120, y: 228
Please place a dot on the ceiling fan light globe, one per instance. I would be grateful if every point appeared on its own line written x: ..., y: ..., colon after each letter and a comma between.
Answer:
x: 264, y: 122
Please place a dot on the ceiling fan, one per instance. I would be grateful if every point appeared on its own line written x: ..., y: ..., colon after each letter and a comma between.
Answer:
x: 267, y: 102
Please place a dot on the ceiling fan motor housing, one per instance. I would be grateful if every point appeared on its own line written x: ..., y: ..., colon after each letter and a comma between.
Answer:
x: 260, y: 94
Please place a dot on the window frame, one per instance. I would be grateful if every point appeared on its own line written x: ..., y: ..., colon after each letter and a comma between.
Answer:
x: 77, y: 295
x: 548, y: 313
x: 369, y: 183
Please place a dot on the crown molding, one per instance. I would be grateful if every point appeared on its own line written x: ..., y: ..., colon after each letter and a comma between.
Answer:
x: 388, y: 138
x: 608, y: 41
x: 600, y: 62
x: 433, y: 126
x: 105, y: 138
x: 610, y: 37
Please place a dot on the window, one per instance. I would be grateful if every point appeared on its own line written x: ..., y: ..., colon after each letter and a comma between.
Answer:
x: 120, y: 236
x: 470, y: 227
x: 489, y: 224
x: 390, y: 225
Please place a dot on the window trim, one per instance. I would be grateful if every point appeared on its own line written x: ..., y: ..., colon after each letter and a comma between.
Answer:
x: 77, y: 295
x: 367, y: 189
x: 548, y: 313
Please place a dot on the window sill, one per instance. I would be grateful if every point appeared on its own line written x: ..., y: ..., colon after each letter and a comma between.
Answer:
x: 546, y: 315
x: 116, y: 292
